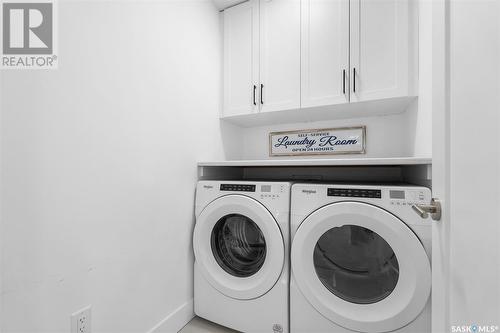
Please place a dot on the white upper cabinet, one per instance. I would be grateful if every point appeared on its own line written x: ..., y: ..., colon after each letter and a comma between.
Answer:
x: 241, y: 58
x: 319, y: 55
x: 279, y: 54
x: 379, y: 49
x: 325, y: 52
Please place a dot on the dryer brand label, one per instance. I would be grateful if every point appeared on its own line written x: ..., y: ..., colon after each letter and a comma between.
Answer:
x: 309, y: 191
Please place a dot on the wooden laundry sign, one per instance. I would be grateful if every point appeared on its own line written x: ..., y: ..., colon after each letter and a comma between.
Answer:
x: 327, y: 141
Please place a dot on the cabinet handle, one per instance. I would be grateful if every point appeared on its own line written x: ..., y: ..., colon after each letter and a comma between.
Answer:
x: 254, y: 89
x: 343, y: 81
x: 261, y: 93
x: 354, y: 79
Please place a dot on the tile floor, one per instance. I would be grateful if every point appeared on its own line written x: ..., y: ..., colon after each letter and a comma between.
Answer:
x: 198, y: 325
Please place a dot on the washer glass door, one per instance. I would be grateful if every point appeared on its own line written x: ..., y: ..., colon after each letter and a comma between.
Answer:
x: 361, y: 267
x: 238, y: 247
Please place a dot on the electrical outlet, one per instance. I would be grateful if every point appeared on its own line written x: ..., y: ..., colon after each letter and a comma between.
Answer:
x: 80, y: 321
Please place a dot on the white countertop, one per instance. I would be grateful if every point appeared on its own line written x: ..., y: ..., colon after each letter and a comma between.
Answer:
x: 321, y: 162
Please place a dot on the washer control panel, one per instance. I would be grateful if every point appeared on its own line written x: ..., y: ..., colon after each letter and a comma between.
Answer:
x: 268, y: 191
x: 237, y: 187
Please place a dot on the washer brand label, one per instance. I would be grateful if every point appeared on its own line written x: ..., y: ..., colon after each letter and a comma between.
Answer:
x: 309, y: 191
x: 277, y: 328
x: 208, y: 187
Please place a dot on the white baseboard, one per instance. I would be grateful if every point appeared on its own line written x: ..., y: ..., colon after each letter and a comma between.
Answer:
x: 176, y: 320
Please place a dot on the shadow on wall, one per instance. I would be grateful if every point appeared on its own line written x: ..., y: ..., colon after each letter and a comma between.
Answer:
x: 419, y: 130
x: 232, y: 139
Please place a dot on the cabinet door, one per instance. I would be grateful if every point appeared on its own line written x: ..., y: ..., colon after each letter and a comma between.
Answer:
x: 380, y: 42
x: 280, y: 54
x: 241, y: 58
x: 324, y: 52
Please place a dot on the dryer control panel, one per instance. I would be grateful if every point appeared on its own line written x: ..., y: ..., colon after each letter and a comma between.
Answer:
x: 354, y: 193
x: 406, y: 197
x: 394, y: 196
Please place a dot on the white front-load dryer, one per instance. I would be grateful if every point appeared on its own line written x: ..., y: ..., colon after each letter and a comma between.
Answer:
x: 360, y: 259
x: 240, y: 242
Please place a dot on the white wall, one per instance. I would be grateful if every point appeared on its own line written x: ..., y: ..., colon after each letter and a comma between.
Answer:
x: 474, y: 224
x: 420, y: 121
x: 97, y: 188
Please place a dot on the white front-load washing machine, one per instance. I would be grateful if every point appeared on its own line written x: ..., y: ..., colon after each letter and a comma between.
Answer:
x: 240, y: 241
x: 360, y: 259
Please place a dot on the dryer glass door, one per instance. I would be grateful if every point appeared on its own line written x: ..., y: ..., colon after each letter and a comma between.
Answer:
x: 361, y: 267
x: 356, y: 264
